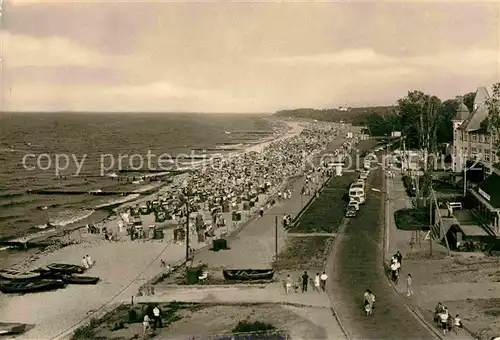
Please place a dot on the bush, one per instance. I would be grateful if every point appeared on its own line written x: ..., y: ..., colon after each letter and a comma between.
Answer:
x: 86, y: 332
x: 253, y: 327
x: 133, y: 317
x: 412, y: 219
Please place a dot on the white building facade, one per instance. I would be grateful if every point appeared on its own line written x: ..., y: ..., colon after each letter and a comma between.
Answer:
x: 471, y: 138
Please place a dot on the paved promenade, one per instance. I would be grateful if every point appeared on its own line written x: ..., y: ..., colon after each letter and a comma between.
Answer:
x: 271, y: 293
x: 357, y: 264
x: 425, y: 295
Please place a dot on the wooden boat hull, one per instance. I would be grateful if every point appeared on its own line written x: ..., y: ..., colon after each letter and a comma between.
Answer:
x: 31, y: 286
x: 68, y: 278
x: 80, y: 280
x: 11, y: 328
x: 66, y: 268
x: 248, y: 274
x: 18, y: 276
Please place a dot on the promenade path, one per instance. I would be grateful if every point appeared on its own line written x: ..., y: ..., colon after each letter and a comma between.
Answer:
x: 356, y: 264
x: 269, y: 293
x: 425, y: 296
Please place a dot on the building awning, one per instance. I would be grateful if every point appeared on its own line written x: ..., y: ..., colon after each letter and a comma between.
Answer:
x: 483, y: 201
x: 472, y: 230
x: 489, y: 190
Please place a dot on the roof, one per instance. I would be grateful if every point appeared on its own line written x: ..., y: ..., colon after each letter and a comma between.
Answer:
x: 462, y: 112
x: 491, y: 187
x: 480, y: 112
x: 473, y: 230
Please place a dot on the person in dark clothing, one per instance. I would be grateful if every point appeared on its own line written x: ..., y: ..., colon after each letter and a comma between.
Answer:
x: 305, y: 281
x: 399, y: 256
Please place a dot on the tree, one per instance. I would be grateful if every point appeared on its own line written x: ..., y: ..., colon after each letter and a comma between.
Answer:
x: 493, y: 104
x: 419, y: 119
x: 468, y: 100
x: 445, y: 126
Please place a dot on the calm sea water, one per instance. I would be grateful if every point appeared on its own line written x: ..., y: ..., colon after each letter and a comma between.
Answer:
x: 90, y: 136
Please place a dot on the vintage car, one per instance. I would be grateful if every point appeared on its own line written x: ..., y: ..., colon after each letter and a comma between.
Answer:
x: 350, y: 211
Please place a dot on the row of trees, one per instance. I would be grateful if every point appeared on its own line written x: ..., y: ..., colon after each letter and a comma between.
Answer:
x: 424, y: 119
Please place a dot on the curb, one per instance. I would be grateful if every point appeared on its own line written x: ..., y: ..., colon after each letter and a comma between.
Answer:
x: 328, y: 264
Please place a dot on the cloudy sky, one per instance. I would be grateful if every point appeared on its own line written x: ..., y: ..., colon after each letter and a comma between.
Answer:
x: 241, y: 57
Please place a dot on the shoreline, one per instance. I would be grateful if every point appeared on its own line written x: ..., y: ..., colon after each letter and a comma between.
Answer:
x: 24, y: 257
x: 123, y: 266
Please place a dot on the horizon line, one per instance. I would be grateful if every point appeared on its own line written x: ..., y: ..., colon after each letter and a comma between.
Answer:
x: 141, y: 112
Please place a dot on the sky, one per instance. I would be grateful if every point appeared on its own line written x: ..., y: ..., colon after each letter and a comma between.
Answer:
x: 241, y: 56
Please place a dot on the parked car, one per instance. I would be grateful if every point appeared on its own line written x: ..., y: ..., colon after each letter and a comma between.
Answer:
x: 363, y: 175
x: 350, y: 211
x: 354, y: 204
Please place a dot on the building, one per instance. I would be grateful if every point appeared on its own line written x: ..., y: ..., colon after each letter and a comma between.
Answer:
x: 471, y: 139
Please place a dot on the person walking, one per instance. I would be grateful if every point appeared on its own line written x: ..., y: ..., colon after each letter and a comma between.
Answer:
x: 305, y: 281
x: 409, y: 283
x: 288, y: 284
x: 323, y: 279
x: 394, y: 271
x: 146, y: 326
x: 317, y: 283
x: 368, y: 303
x: 85, y: 263
x: 89, y: 260
x: 399, y: 257
x: 158, y: 323
x: 261, y: 212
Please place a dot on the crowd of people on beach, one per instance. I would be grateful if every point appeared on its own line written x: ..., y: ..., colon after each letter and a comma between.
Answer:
x: 238, y: 182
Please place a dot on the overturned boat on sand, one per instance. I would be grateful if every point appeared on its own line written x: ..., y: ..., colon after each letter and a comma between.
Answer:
x: 13, y: 287
x: 68, y: 278
x: 66, y: 268
x: 248, y: 274
x: 11, y: 274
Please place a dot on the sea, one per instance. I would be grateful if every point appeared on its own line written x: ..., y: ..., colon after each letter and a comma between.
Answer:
x: 76, y: 151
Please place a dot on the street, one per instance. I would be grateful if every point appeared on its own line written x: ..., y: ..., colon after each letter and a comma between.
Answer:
x: 357, y: 265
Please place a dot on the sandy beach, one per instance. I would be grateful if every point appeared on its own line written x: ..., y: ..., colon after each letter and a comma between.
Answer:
x: 123, y: 267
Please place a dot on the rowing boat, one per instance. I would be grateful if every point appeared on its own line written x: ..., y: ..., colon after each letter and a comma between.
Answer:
x: 66, y: 268
x: 10, y: 274
x: 68, y: 278
x: 41, y: 285
x: 248, y: 274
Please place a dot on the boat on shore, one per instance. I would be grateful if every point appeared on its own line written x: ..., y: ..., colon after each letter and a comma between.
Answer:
x: 32, y: 286
x: 12, y: 328
x: 65, y: 268
x: 248, y: 274
x: 68, y: 278
x: 10, y: 274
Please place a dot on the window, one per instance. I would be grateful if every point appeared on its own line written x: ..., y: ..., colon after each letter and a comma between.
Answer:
x: 487, y: 157
x: 474, y: 150
x: 474, y: 138
x: 465, y: 136
x: 486, y: 139
x: 481, y: 138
